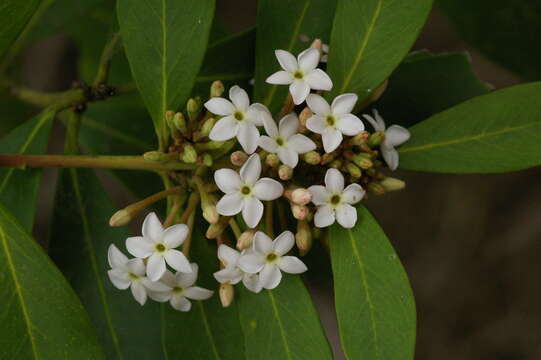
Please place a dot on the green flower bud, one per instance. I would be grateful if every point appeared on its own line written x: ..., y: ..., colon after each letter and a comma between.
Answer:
x: 193, y: 107
x: 329, y: 157
x: 216, y: 89
x: 376, y: 188
x: 285, y: 172
x: 354, y: 170
x: 363, y: 161
x: 312, y: 158
x: 217, y: 229
x: 272, y: 160
x: 120, y: 218
x: 376, y: 139
x: 336, y: 164
x: 179, y: 123
x: 207, y: 160
x: 392, y: 184
x: 156, y: 156
x: 207, y: 126
x: 189, y: 155
x: 169, y: 115
x: 360, y: 139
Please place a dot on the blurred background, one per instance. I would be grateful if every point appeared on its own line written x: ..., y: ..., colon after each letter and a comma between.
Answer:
x: 470, y: 243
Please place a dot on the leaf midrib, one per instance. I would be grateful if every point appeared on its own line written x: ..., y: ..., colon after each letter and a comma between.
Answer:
x: 208, y: 331
x: 280, y: 325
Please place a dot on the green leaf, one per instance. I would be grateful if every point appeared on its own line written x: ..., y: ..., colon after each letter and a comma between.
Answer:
x: 369, y: 39
x: 14, y: 15
x: 79, y: 242
x: 279, y: 26
x: 425, y: 84
x: 41, y: 316
x: 493, y: 25
x: 19, y: 188
x: 282, y: 323
x: 374, y: 302
x: 165, y: 42
x: 497, y: 132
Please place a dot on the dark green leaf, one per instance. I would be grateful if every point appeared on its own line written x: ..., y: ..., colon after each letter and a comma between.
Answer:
x: 497, y: 132
x: 279, y: 26
x: 14, y: 15
x: 374, y: 302
x: 425, y: 84
x: 41, y: 316
x: 18, y: 188
x: 369, y: 39
x: 165, y: 42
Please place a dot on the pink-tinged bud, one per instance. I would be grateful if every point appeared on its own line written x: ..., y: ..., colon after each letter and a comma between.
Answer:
x: 227, y: 294
x: 272, y: 160
x: 305, y: 114
x: 301, y: 196
x: 245, y: 239
x: 216, y: 89
x: 360, y: 139
x: 299, y: 211
x: 238, y: 158
x: 303, y: 237
x: 285, y: 172
x: 316, y: 44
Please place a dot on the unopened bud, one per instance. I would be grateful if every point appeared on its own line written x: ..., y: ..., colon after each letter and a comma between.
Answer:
x: 245, y: 239
x: 179, y: 123
x: 207, y: 127
x: 337, y: 164
x: 189, y: 155
x: 360, y: 139
x: 209, y: 210
x: 299, y: 211
x: 169, y: 115
x: 227, y: 294
x: 238, y: 158
x: 285, y: 172
x: 207, y: 160
x: 215, y: 230
x: 305, y: 114
x: 354, y: 170
x: 303, y: 237
x: 193, y: 107
x: 272, y: 160
x: 363, y: 161
x: 328, y: 157
x: 376, y: 188
x: 156, y: 156
x: 120, y: 218
x: 301, y: 196
x: 392, y: 184
x: 316, y: 44
x: 216, y: 89
x: 376, y: 139
x: 312, y: 158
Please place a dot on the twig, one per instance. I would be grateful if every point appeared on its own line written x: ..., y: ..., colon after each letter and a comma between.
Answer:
x: 105, y: 60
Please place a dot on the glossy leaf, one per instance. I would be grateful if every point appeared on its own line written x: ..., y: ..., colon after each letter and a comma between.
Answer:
x: 497, y: 132
x: 41, y: 316
x: 369, y: 39
x: 165, y: 42
x: 374, y: 302
x: 14, y: 15
x: 19, y: 188
x: 425, y: 84
x: 280, y: 25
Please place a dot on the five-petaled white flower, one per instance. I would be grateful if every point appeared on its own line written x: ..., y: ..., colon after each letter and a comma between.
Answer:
x: 158, y: 245
x: 240, y: 119
x: 232, y: 273
x: 395, y: 136
x: 333, y: 121
x: 300, y: 74
x: 284, y: 139
x: 179, y: 288
x: 244, y: 191
x: 268, y: 259
x: 130, y: 273
x: 334, y: 202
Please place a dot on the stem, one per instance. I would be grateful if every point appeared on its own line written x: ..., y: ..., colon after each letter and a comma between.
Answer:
x: 188, y: 241
x: 177, y: 204
x: 105, y: 60
x: 269, y: 220
x: 88, y: 161
x: 190, y: 209
x: 71, y: 145
x: 235, y: 227
x: 146, y: 202
x: 281, y: 215
x: 60, y: 100
x: 288, y: 106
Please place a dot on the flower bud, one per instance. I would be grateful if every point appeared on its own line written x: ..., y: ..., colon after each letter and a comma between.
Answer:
x: 120, y: 218
x: 301, y: 196
x: 303, y: 237
x: 312, y: 158
x: 207, y: 160
x: 316, y: 44
x: 328, y: 157
x: 285, y: 172
x: 169, y: 115
x: 238, y: 158
x: 360, y: 139
x: 392, y: 184
x: 337, y: 164
x: 376, y: 188
x: 207, y: 127
x: 179, y: 123
x: 156, y: 156
x: 209, y: 210
x: 354, y: 170
x: 227, y: 294
x: 245, y: 239
x: 305, y: 114
x: 299, y: 211
x: 216, y: 89
x: 215, y: 230
x: 189, y: 155
x: 363, y: 161
x: 376, y: 139
x: 272, y: 160
x: 193, y: 107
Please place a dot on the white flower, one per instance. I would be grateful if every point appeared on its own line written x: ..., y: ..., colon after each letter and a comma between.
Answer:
x: 240, y: 119
x: 268, y: 259
x: 325, y: 51
x: 300, y: 74
x: 179, y: 288
x: 334, y: 202
x: 244, y: 192
x: 130, y: 273
x: 333, y: 121
x: 158, y: 245
x: 232, y: 273
x: 284, y: 139
x: 395, y: 136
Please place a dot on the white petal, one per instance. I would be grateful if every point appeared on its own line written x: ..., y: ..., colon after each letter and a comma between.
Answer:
x: 380, y: 121
x: 270, y: 127
x: 331, y: 139
x: 391, y: 156
x: 231, y: 275
x: 268, y: 144
x: 136, y: 266
x: 287, y: 60
x: 139, y: 292
x: 139, y: 246
x: 320, y: 195
x: 239, y: 97
x: 160, y: 296
x: 280, y: 78
x: 283, y: 243
x: 377, y: 123
x: 175, y: 235
x: 288, y: 156
x: 252, y: 211
x: 185, y: 280
x: 152, y: 227
x: 301, y: 144
x: 227, y: 180
x: 318, y: 105
x: 289, y: 125
x: 156, y: 286
x: 252, y: 283
x: 177, y: 260
x: 324, y: 216
x: 120, y: 282
x: 308, y: 59
x: 180, y: 303
x: 230, y: 204
x: 251, y: 263
x: 268, y: 189
x: 316, y: 124
x: 344, y: 104
x: 317, y: 79
x: 251, y: 170
x: 292, y: 265
x: 346, y: 215
x: 262, y: 243
x: 270, y: 276
x: 353, y: 194
x: 228, y: 256
x: 396, y: 135
x: 168, y: 278
x: 155, y: 267
x: 257, y: 114
x: 226, y: 128
x: 220, y: 106
x: 350, y: 125
x: 299, y: 90
x: 334, y: 181
x: 115, y: 257
x: 197, y: 293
